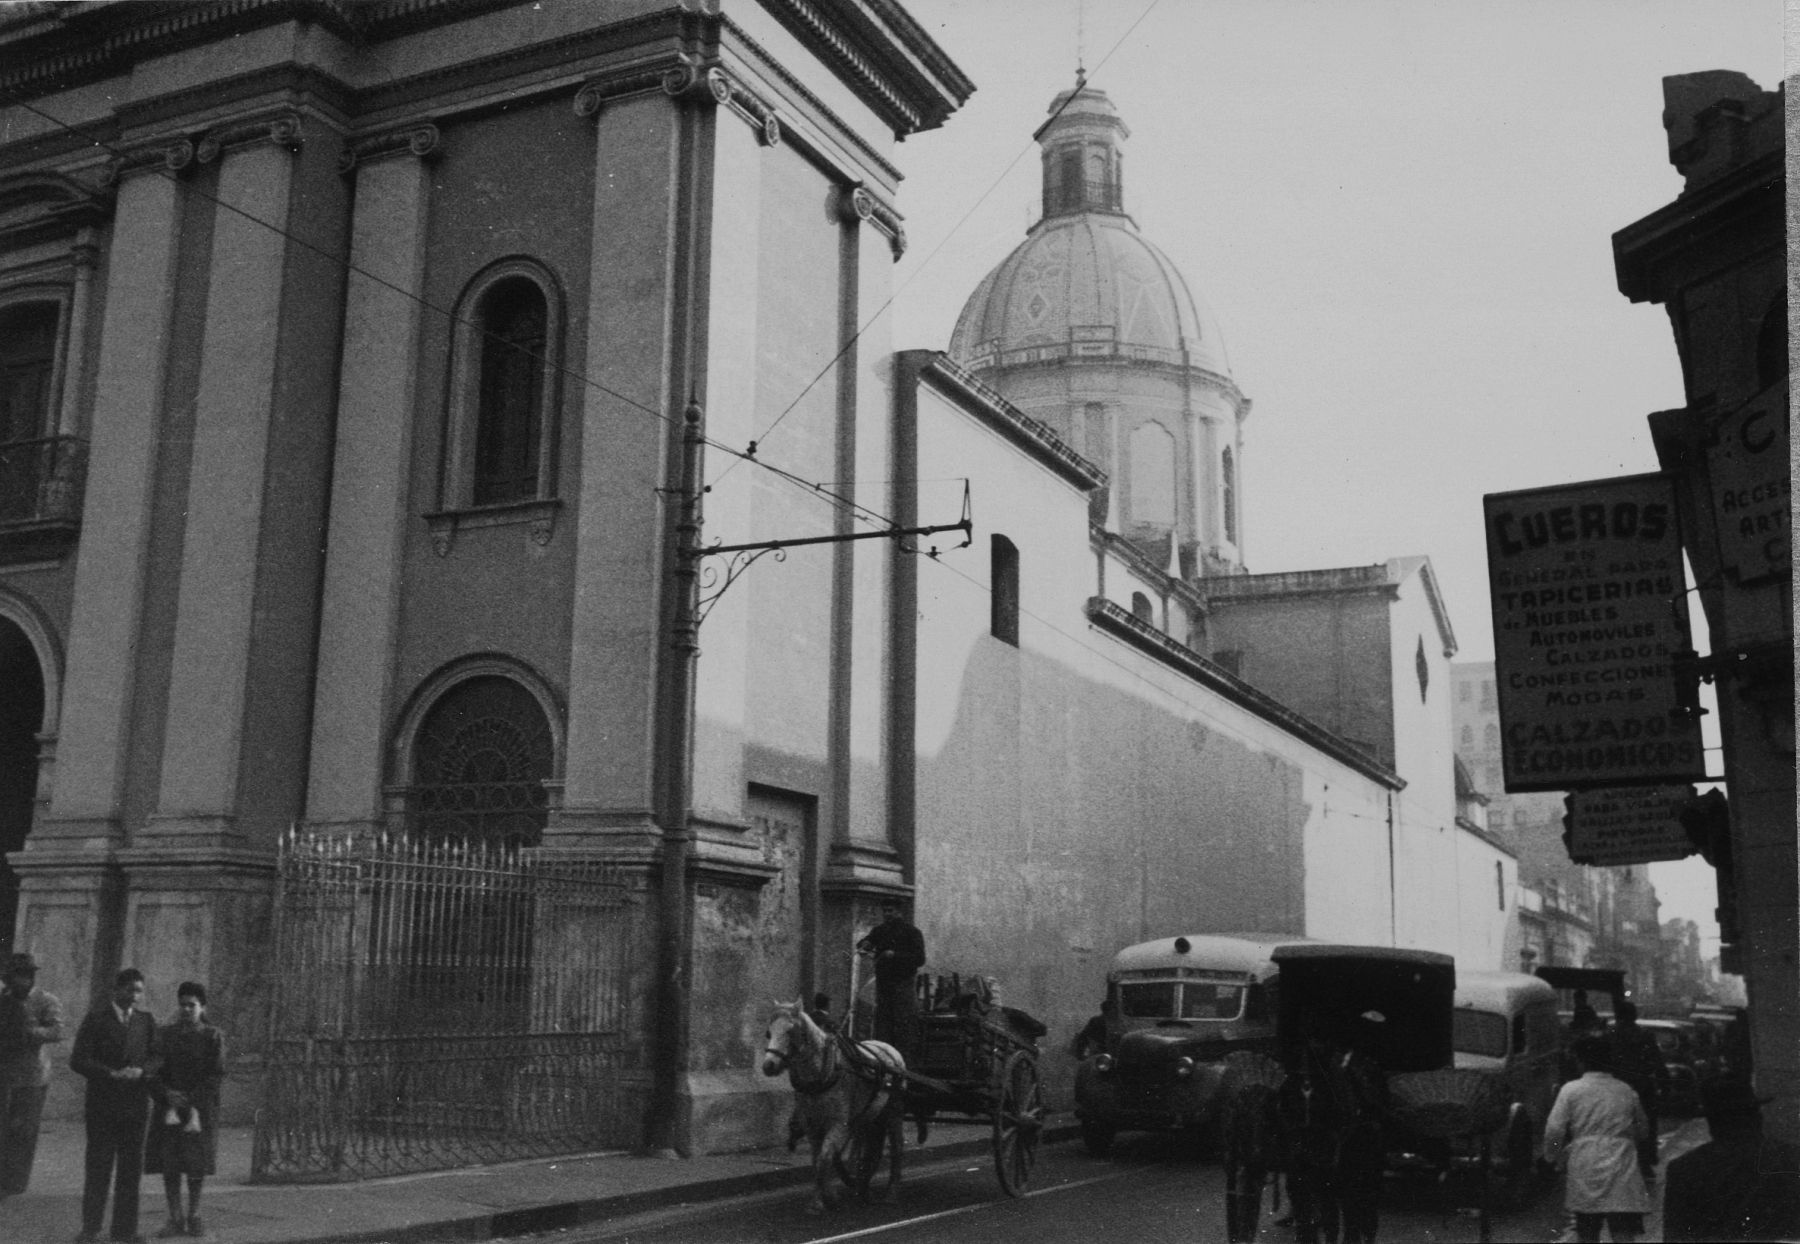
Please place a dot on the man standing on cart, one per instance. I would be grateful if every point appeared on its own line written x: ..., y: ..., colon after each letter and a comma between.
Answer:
x: 898, y: 949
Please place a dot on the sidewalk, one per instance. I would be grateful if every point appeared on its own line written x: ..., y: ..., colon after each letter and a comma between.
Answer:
x: 474, y: 1203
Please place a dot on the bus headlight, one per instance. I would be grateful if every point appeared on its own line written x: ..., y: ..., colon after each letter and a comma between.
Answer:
x: 1184, y: 1067
x: 1103, y: 1062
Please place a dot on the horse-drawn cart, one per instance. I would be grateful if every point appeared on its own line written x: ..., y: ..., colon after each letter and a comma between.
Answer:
x: 976, y: 1059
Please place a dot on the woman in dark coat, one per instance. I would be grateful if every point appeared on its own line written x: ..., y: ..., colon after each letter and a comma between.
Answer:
x: 184, y: 1127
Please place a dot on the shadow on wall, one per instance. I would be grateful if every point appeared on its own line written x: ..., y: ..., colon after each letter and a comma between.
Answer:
x: 1064, y: 818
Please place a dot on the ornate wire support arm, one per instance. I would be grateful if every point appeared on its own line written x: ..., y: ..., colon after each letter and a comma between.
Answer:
x: 716, y: 580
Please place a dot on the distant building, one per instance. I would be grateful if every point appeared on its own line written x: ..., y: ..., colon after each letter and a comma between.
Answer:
x: 1570, y: 914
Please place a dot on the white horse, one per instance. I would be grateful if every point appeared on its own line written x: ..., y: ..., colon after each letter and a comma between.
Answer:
x: 849, y: 1098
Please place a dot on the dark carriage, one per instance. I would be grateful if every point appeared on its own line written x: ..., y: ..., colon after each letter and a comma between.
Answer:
x: 1362, y: 1064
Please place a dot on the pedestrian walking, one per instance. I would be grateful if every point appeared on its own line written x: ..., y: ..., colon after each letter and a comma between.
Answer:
x: 1739, y: 1185
x: 31, y: 1021
x: 115, y: 1050
x: 898, y: 949
x: 1593, y: 1133
x: 184, y: 1122
x: 1639, y: 1063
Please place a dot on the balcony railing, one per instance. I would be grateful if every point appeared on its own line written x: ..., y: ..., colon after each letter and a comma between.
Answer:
x: 1084, y: 194
x: 41, y: 483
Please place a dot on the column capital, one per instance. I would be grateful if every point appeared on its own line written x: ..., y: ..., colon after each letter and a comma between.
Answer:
x: 858, y: 203
x: 161, y: 155
x: 283, y: 129
x: 422, y: 141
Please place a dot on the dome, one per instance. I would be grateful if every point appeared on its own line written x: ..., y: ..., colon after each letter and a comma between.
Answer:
x: 1087, y: 284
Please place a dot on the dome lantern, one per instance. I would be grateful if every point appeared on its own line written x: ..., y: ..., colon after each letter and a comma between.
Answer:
x: 1083, y: 153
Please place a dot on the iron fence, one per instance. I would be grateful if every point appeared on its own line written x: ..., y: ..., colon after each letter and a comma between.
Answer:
x: 444, y: 1003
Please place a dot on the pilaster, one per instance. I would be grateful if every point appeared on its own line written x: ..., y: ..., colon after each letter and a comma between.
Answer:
x: 209, y: 678
x: 378, y: 377
x: 109, y: 577
x: 615, y: 634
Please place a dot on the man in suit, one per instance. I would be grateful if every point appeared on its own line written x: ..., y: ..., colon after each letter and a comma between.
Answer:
x: 115, y: 1049
x: 30, y: 1021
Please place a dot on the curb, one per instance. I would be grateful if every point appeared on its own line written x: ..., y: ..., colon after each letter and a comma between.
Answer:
x: 562, y: 1215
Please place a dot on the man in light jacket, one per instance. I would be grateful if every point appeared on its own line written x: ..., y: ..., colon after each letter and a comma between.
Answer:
x: 30, y: 1022
x: 1593, y: 1132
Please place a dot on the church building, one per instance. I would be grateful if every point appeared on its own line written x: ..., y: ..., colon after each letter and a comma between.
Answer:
x: 348, y: 657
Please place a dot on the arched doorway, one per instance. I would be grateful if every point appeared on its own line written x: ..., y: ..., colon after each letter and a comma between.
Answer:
x: 21, y: 717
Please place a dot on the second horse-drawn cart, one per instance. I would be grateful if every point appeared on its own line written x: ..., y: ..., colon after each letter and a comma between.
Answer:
x: 1363, y: 1069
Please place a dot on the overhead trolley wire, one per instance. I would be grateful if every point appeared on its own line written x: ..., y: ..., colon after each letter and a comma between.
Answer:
x: 933, y: 254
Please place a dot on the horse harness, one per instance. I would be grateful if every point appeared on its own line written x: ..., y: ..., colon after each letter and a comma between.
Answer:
x: 839, y: 1054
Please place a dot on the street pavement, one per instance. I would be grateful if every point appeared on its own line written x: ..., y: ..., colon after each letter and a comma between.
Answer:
x: 474, y: 1203
x: 1152, y: 1189
x: 581, y: 1195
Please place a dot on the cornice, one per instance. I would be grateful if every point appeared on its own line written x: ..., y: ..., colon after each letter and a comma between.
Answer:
x: 1717, y: 207
x: 1111, y: 617
x: 95, y: 42
x: 1117, y: 545
x: 1032, y: 435
x: 789, y: 82
x: 805, y: 19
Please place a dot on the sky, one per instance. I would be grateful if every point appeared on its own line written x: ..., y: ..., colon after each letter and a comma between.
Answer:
x: 1400, y: 211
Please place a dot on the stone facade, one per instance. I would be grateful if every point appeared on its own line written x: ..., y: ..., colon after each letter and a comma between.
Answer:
x: 1716, y: 260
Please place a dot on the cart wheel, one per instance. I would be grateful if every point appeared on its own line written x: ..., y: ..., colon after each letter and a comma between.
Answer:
x: 1018, y: 1122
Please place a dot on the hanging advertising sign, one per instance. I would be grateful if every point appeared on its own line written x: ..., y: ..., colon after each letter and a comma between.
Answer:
x: 1752, y: 489
x: 1588, y: 601
x: 1627, y: 825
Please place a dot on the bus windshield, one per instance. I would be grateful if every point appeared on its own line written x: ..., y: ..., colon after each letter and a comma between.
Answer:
x: 1180, y: 1000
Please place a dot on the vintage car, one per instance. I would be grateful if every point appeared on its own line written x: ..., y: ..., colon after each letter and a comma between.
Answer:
x: 1506, y: 1023
x: 1684, y: 1062
x: 1177, y: 1007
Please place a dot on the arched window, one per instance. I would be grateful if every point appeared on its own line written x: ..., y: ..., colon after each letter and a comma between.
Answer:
x: 1468, y: 738
x: 479, y: 763
x: 1152, y: 476
x: 1142, y: 609
x: 509, y: 422
x: 501, y: 434
x: 1228, y: 493
x: 27, y: 369
x: 1490, y: 736
x: 1003, y: 588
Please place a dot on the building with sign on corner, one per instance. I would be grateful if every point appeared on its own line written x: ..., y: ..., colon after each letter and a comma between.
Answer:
x: 1570, y: 915
x: 1715, y: 259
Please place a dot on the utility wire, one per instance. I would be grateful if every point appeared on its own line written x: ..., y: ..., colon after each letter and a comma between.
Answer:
x: 750, y: 451
x: 964, y: 219
x: 349, y: 266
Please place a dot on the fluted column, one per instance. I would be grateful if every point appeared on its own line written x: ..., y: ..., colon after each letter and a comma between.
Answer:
x: 378, y: 377
x: 209, y: 673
